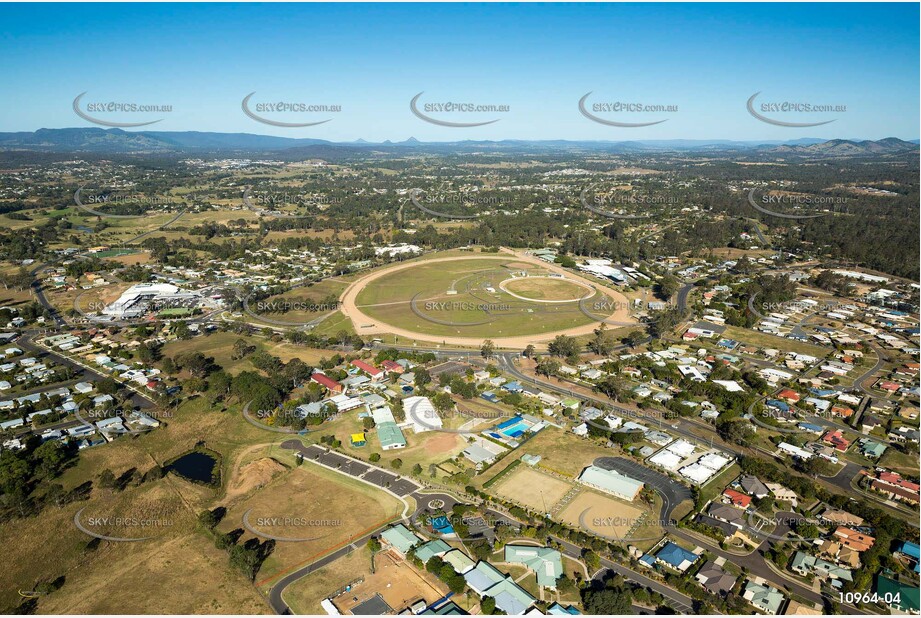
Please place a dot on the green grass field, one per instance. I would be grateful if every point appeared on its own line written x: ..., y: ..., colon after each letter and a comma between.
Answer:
x: 478, y: 307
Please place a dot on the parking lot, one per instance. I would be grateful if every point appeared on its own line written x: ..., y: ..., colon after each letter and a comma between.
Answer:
x: 673, y: 493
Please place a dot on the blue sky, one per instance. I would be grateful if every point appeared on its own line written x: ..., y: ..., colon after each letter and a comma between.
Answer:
x: 706, y: 59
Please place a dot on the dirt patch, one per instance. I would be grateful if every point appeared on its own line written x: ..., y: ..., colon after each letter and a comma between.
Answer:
x: 442, y: 443
x: 602, y: 515
x: 398, y: 583
x: 253, y: 475
x: 533, y: 489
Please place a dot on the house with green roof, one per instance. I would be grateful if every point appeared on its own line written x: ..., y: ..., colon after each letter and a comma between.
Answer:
x: 510, y: 597
x: 547, y: 563
x: 459, y: 561
x: 431, y: 549
x: 766, y: 598
x: 901, y: 596
x: 400, y: 538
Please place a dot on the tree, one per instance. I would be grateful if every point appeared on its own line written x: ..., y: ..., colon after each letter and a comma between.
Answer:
x: 374, y: 457
x: 633, y: 338
x: 529, y: 351
x: 397, y: 463
x: 602, y: 343
x: 417, y: 470
x: 487, y: 349
x: 563, y: 346
x: 181, y: 330
x: 487, y: 605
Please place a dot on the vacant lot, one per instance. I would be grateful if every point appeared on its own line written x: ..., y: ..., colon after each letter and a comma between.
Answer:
x: 304, y: 595
x: 310, y: 511
x: 534, y: 489
x: 564, y: 452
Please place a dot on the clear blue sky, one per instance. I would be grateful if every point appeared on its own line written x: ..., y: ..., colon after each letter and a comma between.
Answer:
x: 538, y: 59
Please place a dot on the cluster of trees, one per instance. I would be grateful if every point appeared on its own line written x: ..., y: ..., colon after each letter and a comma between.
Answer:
x: 247, y: 558
x: 26, y: 477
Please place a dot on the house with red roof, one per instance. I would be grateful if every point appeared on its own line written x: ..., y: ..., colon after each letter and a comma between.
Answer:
x: 842, y: 411
x: 837, y: 440
x: 788, y: 395
x: 392, y: 367
x: 373, y: 372
x: 738, y: 498
x: 855, y: 540
x: 330, y: 384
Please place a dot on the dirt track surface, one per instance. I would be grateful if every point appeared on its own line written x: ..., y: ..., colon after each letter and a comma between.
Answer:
x: 366, y: 325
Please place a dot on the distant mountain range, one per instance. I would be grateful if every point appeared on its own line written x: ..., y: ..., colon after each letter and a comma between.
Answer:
x: 117, y: 141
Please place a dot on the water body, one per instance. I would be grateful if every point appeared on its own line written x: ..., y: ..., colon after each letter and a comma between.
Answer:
x: 194, y: 466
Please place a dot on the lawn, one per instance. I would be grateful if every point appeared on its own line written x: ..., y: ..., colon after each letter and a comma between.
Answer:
x: 459, y: 292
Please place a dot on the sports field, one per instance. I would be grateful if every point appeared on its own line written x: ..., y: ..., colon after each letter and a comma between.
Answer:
x: 602, y: 515
x: 510, y: 298
x: 533, y: 489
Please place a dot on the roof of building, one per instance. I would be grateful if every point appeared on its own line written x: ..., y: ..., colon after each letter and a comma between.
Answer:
x: 908, y: 596
x: 676, y: 556
x: 611, y: 480
x: 764, y: 597
x: 460, y: 561
x: 389, y: 435
x: 400, y: 537
x: 483, y: 576
x: 431, y: 549
x: 547, y: 563
x: 715, y: 579
x: 510, y: 597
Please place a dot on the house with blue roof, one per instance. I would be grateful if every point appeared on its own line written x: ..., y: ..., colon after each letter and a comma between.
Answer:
x: 909, y: 550
x: 513, y: 387
x: 777, y: 404
x: 811, y: 428
x: 489, y: 396
x: 676, y: 557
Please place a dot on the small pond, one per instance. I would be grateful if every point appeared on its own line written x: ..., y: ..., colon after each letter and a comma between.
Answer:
x: 196, y: 466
